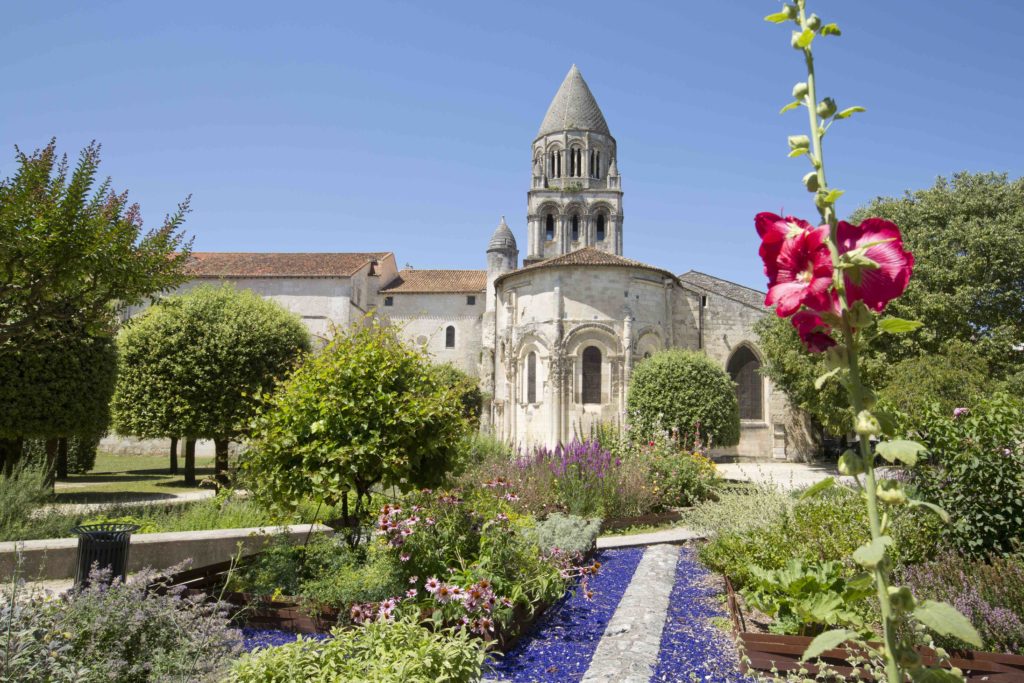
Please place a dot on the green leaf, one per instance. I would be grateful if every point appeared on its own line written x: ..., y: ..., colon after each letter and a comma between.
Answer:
x: 798, y: 152
x: 828, y: 640
x: 777, y: 18
x: 870, y: 554
x: 943, y: 515
x: 850, y: 111
x: 789, y: 107
x: 891, y: 325
x: 900, y: 449
x: 805, y: 39
x: 817, y: 489
x: 945, y: 620
x: 830, y: 30
x: 820, y: 381
x: 833, y: 195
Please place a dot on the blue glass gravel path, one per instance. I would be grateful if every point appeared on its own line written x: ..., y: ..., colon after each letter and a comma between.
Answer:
x: 564, y: 639
x: 692, y: 649
x: 253, y: 638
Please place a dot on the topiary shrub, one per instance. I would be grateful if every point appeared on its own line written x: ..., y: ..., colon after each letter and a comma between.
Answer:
x: 684, y: 390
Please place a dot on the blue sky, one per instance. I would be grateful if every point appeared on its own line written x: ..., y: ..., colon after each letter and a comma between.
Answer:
x: 341, y: 126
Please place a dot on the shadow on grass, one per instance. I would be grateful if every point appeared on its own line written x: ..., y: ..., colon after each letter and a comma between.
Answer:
x: 112, y: 497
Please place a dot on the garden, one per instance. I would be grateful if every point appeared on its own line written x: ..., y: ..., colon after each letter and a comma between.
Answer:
x: 447, y: 555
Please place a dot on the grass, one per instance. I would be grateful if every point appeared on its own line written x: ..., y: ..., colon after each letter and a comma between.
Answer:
x: 123, y: 478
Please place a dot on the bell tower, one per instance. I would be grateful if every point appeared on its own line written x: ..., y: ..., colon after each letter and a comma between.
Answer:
x: 575, y: 196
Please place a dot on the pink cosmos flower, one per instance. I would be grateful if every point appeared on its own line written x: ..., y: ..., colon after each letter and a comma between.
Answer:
x: 813, y: 331
x: 801, y: 274
x: 774, y: 230
x: 877, y: 286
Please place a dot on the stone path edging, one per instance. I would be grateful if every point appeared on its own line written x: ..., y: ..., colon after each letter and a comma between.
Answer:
x: 628, y: 651
x: 674, y: 535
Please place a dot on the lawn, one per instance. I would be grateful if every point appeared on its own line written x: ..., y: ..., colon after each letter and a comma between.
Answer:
x: 118, y: 478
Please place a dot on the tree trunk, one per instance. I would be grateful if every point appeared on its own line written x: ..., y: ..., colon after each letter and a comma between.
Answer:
x: 190, y: 461
x: 174, y: 455
x: 220, y: 461
x: 50, y: 465
x: 62, y: 458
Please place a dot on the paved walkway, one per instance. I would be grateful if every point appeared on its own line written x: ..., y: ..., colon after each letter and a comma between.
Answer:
x: 628, y: 652
x: 674, y: 535
x: 785, y: 475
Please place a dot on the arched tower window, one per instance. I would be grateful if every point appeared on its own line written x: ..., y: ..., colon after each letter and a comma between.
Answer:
x: 449, y: 337
x: 575, y: 227
x: 531, y: 378
x: 744, y: 369
x: 591, y: 384
x: 600, y: 227
x: 549, y: 227
x: 595, y: 166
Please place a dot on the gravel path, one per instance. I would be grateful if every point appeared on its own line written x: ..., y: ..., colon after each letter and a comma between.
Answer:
x: 561, y: 645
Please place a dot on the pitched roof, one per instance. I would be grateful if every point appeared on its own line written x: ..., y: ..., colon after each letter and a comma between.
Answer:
x: 215, y: 264
x: 574, y: 108
x: 589, y: 257
x: 437, y: 282
x: 730, y: 290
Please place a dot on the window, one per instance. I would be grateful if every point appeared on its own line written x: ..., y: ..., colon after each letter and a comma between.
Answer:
x: 744, y: 368
x: 549, y: 227
x: 389, y: 301
x: 471, y: 300
x: 575, y: 228
x: 600, y: 227
x: 449, y: 337
x: 591, y: 375
x: 555, y: 164
x: 531, y: 378
x: 595, y: 165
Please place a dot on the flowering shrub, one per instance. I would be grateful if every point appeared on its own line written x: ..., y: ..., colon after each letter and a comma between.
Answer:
x: 989, y: 592
x: 120, y: 633
x: 831, y: 281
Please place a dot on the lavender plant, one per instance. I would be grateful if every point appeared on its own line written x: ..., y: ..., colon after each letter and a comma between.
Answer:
x: 832, y: 281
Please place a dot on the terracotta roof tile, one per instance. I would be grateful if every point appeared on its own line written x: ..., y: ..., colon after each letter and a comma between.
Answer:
x: 210, y: 264
x: 589, y: 256
x: 730, y: 290
x: 437, y: 282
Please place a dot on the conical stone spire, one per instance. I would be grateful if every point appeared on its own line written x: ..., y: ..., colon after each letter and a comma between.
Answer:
x: 502, y: 239
x: 573, y: 108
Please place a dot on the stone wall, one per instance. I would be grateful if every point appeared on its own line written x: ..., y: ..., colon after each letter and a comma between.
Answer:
x: 423, y: 319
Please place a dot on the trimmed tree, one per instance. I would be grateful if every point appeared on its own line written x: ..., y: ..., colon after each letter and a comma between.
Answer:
x: 365, y: 411
x: 684, y: 390
x: 193, y: 365
x: 468, y: 389
x: 58, y: 386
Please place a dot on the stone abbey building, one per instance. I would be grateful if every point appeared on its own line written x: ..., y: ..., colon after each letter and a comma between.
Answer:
x: 555, y: 330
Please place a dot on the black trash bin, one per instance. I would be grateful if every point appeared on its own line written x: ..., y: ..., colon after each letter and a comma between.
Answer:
x: 105, y: 545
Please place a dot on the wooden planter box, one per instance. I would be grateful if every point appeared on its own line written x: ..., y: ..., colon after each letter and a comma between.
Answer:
x: 289, y: 613
x: 761, y: 652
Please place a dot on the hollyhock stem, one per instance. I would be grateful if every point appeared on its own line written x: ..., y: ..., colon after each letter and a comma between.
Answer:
x: 856, y: 388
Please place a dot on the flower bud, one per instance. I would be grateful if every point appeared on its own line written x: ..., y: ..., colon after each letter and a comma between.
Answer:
x: 851, y: 464
x: 867, y: 424
x: 790, y: 11
x: 811, y: 181
x: 826, y: 108
x: 799, y: 91
x: 901, y: 598
x: 814, y: 22
x: 794, y: 41
x: 798, y: 141
x: 890, y: 492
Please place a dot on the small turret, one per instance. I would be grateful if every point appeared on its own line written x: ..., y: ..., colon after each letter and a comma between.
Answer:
x: 502, y: 257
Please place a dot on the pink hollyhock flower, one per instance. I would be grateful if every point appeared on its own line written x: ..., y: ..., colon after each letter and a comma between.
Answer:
x: 801, y: 274
x: 878, y: 286
x: 774, y: 230
x: 813, y: 331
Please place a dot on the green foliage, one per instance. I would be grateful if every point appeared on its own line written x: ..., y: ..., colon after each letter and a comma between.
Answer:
x: 567, y: 533
x: 467, y: 388
x: 193, y: 365
x: 25, y: 490
x: 378, y: 652
x: 57, y: 384
x: 684, y: 390
x: 805, y: 599
x: 82, y: 451
x: 958, y: 375
x: 366, y: 410
x: 123, y: 633
x: 72, y: 250
x: 974, y: 470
